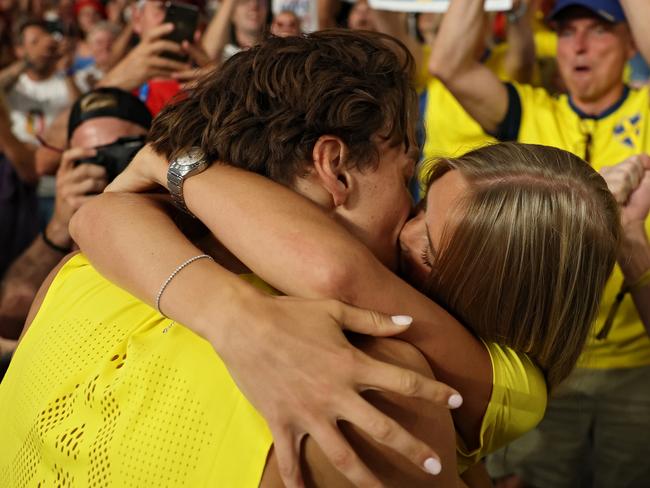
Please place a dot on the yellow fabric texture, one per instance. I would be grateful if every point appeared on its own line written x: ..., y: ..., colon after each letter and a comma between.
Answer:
x: 64, y: 415
x: 623, y: 133
x: 517, y: 404
x: 121, y: 396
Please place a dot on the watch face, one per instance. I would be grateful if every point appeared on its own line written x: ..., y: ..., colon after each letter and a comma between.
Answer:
x: 195, y: 156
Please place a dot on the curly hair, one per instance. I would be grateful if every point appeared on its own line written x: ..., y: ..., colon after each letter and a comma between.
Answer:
x: 266, y: 107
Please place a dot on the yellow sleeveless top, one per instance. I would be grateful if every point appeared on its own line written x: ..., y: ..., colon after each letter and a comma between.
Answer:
x: 517, y: 404
x: 104, y: 391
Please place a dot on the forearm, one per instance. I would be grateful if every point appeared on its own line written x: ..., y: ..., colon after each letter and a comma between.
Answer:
x: 10, y: 74
x: 20, y: 154
x: 103, y: 225
x: 637, y: 13
x: 458, y: 36
x: 395, y: 24
x: 121, y: 44
x: 215, y: 38
x: 24, y: 277
x: 634, y: 261
x: 453, y: 60
x: 327, y: 10
x: 520, y: 57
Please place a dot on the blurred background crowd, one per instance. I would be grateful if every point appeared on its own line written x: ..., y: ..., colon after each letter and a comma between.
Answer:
x: 81, y: 80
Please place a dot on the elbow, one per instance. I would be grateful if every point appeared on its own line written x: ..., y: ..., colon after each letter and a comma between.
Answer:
x: 442, y: 69
x: 86, y: 222
x: 339, y: 278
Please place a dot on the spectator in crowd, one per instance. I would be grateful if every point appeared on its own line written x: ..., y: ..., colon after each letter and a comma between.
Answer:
x: 145, y: 69
x: 360, y: 16
x: 38, y: 92
x: 87, y: 13
x: 98, y: 118
x: 238, y: 24
x: 286, y: 23
x: 589, y: 436
x: 100, y: 40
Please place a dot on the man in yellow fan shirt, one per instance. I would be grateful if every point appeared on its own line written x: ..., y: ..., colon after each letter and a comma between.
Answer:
x: 598, y: 422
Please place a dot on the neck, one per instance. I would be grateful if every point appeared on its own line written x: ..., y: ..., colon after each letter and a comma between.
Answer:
x: 246, y: 39
x: 597, y: 107
x: 39, y: 75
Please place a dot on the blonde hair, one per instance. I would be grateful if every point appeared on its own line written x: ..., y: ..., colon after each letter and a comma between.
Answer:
x: 525, y: 258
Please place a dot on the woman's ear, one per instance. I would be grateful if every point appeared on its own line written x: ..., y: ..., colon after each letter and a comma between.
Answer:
x: 330, y: 168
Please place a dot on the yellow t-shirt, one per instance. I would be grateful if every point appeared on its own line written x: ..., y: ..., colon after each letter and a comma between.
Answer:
x: 621, y: 132
x: 104, y: 391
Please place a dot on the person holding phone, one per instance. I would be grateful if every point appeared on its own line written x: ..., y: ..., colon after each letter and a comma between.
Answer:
x: 165, y: 56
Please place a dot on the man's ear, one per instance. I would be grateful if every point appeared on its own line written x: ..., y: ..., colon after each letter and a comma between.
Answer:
x: 19, y: 52
x: 330, y: 157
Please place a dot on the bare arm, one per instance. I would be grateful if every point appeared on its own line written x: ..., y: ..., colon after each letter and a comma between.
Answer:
x: 395, y: 24
x: 56, y: 135
x: 10, y: 74
x: 637, y: 13
x: 215, y: 38
x: 634, y: 262
x: 629, y: 182
x: 520, y: 57
x: 19, y: 154
x: 121, y: 44
x: 327, y: 10
x: 453, y: 60
x: 24, y: 277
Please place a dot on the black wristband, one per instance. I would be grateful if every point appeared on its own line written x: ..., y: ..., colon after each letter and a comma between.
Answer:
x: 55, y: 247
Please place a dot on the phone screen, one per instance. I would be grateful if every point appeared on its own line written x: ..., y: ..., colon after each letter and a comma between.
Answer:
x: 184, y: 17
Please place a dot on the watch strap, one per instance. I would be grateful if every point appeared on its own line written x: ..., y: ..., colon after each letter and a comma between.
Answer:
x: 179, y: 170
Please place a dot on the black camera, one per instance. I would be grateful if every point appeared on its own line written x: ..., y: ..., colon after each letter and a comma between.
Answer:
x: 115, y: 157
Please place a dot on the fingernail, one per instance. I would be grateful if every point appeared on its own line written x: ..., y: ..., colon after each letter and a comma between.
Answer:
x: 432, y: 466
x: 402, y: 319
x: 455, y: 400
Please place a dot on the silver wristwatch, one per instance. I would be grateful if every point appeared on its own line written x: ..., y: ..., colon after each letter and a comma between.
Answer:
x: 182, y: 168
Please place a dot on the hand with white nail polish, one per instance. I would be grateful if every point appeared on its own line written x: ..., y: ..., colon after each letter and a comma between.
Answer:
x: 306, y: 381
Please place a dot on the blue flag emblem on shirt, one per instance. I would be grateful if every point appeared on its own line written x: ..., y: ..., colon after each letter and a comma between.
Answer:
x: 628, y: 130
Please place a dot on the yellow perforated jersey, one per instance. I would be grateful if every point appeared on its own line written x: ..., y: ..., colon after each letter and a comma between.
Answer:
x: 620, y: 132
x: 116, y: 395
